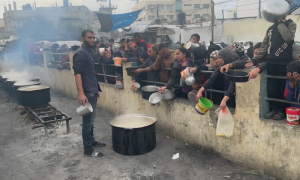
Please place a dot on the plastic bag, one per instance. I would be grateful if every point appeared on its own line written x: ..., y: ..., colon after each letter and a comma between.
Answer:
x: 185, y: 73
x: 189, y: 79
x: 225, y: 123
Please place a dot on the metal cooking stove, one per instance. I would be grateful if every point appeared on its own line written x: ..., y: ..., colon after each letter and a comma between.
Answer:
x: 47, y: 114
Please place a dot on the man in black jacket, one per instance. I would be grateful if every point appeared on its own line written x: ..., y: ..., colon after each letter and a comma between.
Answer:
x: 88, y: 90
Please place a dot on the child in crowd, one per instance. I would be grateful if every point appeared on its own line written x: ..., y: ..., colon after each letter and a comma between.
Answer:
x: 119, y: 70
x: 277, y: 51
x: 106, y: 58
x: 292, y: 87
x: 151, y: 75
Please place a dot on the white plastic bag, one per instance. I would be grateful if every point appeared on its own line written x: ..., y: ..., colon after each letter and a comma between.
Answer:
x: 225, y: 123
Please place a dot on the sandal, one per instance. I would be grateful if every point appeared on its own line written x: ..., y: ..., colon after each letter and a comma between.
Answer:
x: 270, y: 115
x: 95, y: 153
x: 100, y: 144
x: 279, y: 116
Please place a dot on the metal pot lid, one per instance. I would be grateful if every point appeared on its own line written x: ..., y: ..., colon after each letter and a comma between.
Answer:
x: 150, y: 88
x: 33, y: 88
x: 132, y: 121
x: 26, y: 83
x: 274, y: 9
x: 169, y: 91
x: 11, y: 79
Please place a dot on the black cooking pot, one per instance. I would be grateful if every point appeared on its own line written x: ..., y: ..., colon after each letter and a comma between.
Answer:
x: 18, y: 85
x: 237, y: 76
x: 5, y: 85
x: 133, y: 140
x: 9, y: 85
x: 130, y: 70
x: 147, y: 91
x: 34, y: 95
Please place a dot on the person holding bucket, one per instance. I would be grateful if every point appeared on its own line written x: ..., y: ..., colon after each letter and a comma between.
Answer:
x: 224, y: 56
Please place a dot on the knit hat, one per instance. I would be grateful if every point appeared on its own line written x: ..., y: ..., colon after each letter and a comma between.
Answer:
x: 144, y: 55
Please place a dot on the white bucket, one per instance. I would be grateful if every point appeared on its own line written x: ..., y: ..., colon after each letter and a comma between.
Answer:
x: 83, y: 110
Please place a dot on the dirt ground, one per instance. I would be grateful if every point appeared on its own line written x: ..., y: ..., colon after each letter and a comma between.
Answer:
x: 26, y: 154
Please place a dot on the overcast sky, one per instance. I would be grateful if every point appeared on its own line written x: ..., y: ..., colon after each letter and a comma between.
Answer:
x: 123, y: 5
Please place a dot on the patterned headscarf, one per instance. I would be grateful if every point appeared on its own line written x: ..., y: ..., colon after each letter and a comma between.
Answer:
x: 215, y: 54
x: 238, y: 47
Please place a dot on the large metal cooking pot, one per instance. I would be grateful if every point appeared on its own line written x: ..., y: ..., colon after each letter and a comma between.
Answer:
x: 9, y: 85
x: 147, y: 91
x: 168, y: 94
x: 133, y: 134
x: 275, y: 9
x: 20, y: 84
x: 34, y: 95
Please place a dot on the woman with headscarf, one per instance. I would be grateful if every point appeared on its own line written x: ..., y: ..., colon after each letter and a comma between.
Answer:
x: 183, y: 60
x: 224, y: 56
x: 239, y: 49
x: 105, y: 59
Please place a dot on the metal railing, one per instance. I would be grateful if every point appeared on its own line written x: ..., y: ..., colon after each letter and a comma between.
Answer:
x: 99, y: 72
x: 210, y: 91
x: 279, y: 100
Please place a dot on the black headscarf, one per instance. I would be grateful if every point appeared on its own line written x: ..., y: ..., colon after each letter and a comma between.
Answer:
x: 228, y: 55
x: 199, y: 53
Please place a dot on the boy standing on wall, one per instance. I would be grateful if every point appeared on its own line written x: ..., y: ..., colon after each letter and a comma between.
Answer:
x: 276, y: 50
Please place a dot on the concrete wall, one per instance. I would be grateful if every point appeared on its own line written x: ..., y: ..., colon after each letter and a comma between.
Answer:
x: 253, y: 30
x: 269, y: 147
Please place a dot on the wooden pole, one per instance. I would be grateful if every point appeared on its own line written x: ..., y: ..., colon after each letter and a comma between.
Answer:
x: 212, y: 20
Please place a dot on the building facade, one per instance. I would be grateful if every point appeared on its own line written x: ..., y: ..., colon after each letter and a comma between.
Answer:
x: 168, y: 9
x: 81, y: 15
x: 251, y: 8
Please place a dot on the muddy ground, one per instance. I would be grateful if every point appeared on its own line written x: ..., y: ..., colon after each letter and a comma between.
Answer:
x: 26, y: 154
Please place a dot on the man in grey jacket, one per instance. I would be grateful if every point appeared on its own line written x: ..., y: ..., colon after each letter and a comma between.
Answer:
x: 132, y: 52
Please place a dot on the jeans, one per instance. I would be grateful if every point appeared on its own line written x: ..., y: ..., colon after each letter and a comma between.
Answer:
x: 88, y: 122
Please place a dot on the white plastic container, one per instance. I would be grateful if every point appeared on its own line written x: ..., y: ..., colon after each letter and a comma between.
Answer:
x: 83, y: 110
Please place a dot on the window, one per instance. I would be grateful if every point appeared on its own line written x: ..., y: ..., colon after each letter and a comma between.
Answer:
x: 169, y: 7
x: 151, y: 17
x: 178, y: 0
x: 188, y: 15
x: 171, y: 17
x: 196, y: 16
x: 161, y: 7
x: 161, y: 16
x: 196, y: 6
x: 187, y: 5
x: 205, y: 6
x: 150, y: 7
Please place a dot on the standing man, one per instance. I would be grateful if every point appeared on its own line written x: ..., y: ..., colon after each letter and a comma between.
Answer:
x: 139, y: 42
x: 88, y: 90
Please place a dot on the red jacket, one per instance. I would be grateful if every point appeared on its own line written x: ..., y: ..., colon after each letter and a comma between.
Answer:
x: 143, y: 44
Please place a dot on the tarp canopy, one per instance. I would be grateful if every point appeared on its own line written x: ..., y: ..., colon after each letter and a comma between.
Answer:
x: 111, y: 22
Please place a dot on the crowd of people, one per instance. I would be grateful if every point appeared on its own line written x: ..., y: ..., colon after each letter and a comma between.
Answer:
x: 158, y: 65
x: 277, y: 54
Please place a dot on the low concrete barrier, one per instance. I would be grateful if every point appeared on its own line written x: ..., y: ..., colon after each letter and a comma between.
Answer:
x: 267, y: 146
